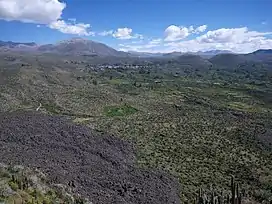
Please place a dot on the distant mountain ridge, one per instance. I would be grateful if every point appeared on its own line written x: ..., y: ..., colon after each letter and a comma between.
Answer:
x: 205, y: 54
x: 262, y: 51
x: 74, y: 46
x: 80, y: 46
x: 15, y: 44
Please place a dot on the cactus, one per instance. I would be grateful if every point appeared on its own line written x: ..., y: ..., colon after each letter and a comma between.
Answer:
x: 212, y: 198
x: 240, y: 198
x: 221, y: 198
x: 232, y: 190
x: 218, y: 198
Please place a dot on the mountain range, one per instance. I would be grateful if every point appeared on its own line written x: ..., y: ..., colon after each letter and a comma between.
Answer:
x: 204, y: 54
x: 80, y: 46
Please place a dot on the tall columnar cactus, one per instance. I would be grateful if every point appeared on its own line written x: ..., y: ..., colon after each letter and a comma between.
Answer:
x: 228, y: 199
x: 240, y: 198
x: 212, y: 198
x: 218, y: 198
x: 232, y: 190
x: 221, y: 198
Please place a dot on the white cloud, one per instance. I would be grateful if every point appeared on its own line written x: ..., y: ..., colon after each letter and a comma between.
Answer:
x: 234, y: 35
x: 138, y: 48
x: 200, y: 29
x: 155, y: 41
x: 191, y: 28
x: 240, y: 40
x: 264, y: 23
x: 42, y: 12
x: 137, y: 42
x: 68, y: 28
x: 125, y: 34
x: 106, y: 33
x: 174, y: 33
x: 141, y: 46
x: 139, y: 36
x: 31, y: 11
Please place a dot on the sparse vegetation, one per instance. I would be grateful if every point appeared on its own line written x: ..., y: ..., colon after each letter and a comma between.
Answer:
x: 21, y: 185
x: 199, y: 122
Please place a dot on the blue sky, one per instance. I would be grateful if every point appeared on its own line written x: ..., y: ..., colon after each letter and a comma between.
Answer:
x: 142, y: 25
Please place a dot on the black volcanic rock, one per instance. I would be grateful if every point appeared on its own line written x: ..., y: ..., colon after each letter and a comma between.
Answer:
x: 102, y: 167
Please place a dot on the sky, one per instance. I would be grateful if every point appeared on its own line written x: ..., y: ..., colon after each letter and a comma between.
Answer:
x: 240, y: 26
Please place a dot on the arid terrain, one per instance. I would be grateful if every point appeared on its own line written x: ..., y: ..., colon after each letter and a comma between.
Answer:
x: 140, y: 130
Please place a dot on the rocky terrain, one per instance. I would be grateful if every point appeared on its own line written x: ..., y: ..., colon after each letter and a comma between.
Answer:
x: 97, y: 166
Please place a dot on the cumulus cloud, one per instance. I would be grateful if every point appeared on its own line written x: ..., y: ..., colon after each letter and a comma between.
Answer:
x: 234, y: 35
x: 175, y: 33
x: 69, y: 28
x: 125, y: 34
x: 240, y: 40
x: 44, y: 12
x: 200, y: 29
x: 31, y: 11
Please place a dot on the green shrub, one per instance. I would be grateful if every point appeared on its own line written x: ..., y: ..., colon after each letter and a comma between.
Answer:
x: 14, y: 186
x: 120, y: 110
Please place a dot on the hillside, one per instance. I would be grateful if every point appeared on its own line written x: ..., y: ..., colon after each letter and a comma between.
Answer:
x: 195, y: 120
x: 228, y: 60
x: 20, y: 184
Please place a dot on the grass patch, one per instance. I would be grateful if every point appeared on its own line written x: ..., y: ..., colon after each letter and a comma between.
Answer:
x: 124, y: 110
x: 52, y: 108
